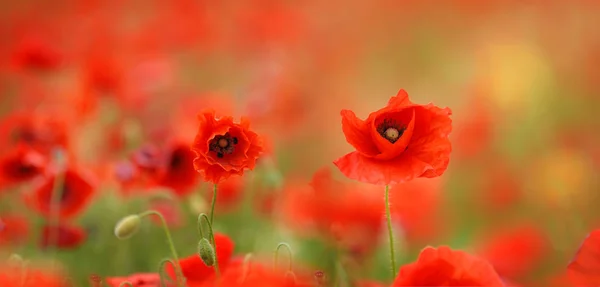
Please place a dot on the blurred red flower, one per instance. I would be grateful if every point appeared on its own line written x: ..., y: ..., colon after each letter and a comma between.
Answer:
x: 250, y: 274
x: 415, y: 205
x: 500, y: 187
x: 474, y: 133
x: 397, y: 143
x: 138, y: 280
x: 351, y: 215
x: 21, y: 164
x: 77, y: 190
x: 41, y: 132
x: 515, y: 252
x: 224, y: 148
x: 14, y: 229
x: 170, y: 210
x: 229, y: 192
x: 194, y: 269
x: 64, y: 236
x: 584, y: 269
x: 35, y: 52
x: 446, y: 267
x: 177, y: 169
x: 12, y: 276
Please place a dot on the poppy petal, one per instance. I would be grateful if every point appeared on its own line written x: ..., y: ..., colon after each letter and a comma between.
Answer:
x: 401, y: 99
x: 584, y: 270
x: 357, y: 133
x: 404, y: 168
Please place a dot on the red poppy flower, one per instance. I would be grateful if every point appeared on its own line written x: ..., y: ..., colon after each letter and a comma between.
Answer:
x: 147, y: 159
x: 224, y: 148
x: 177, y: 170
x: 397, y: 143
x: 170, y: 210
x: 415, y: 205
x: 194, y: 269
x: 445, y: 267
x: 138, y: 280
x: 21, y: 164
x: 14, y: 229
x: 64, y: 236
x: 251, y: 274
x: 584, y: 269
x: 76, y: 192
x: 515, y: 252
x: 349, y: 214
x: 41, y: 132
x: 35, y: 52
x: 474, y: 133
x: 10, y: 276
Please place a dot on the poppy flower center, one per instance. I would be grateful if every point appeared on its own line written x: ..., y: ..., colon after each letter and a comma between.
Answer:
x: 390, y: 130
x: 26, y: 169
x: 223, y: 144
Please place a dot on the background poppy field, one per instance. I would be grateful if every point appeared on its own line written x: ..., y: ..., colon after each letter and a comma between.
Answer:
x: 108, y: 92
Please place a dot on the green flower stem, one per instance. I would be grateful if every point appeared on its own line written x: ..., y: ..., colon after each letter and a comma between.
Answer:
x: 276, y: 258
x: 178, y: 272
x: 55, y: 203
x: 212, y: 206
x: 162, y: 269
x: 390, y: 230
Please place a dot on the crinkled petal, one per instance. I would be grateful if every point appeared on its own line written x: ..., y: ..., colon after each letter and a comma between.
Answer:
x: 358, y: 134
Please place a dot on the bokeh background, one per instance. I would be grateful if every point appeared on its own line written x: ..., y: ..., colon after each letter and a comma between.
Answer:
x: 114, y: 79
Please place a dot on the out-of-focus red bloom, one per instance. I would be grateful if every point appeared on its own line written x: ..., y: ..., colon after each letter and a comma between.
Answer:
x: 170, y: 211
x: 268, y: 24
x: 515, y: 252
x: 194, y: 269
x: 224, y: 148
x: 177, y: 170
x: 473, y: 134
x: 11, y: 276
x: 251, y: 274
x: 21, y: 164
x: 277, y: 103
x: 500, y: 188
x: 77, y: 190
x: 415, y: 205
x: 229, y: 192
x: 127, y: 175
x: 14, y: 229
x: 147, y: 159
x: 65, y: 236
x: 584, y: 269
x: 138, y: 280
x: 33, y: 51
x: 397, y: 143
x: 347, y: 213
x: 41, y: 132
x: 446, y: 267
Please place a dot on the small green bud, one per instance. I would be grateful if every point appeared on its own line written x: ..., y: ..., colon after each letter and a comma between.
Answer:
x: 127, y: 226
x: 206, y: 252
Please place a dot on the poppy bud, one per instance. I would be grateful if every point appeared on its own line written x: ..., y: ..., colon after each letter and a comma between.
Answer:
x: 206, y: 252
x: 127, y: 226
x: 15, y: 260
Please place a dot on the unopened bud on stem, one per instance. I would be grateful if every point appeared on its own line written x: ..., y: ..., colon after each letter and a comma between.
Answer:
x: 127, y: 226
x: 206, y: 252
